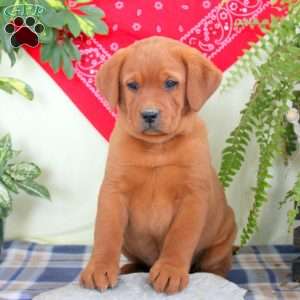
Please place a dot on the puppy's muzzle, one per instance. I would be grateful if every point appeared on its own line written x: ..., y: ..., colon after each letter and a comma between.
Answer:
x: 150, y: 118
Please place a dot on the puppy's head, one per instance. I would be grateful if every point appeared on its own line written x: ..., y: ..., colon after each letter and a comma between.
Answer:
x: 157, y: 83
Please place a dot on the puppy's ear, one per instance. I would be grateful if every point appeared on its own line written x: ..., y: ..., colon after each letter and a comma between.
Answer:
x: 202, y: 78
x: 108, y: 78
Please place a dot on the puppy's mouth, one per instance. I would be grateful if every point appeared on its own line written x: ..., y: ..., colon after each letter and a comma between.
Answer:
x: 152, y: 130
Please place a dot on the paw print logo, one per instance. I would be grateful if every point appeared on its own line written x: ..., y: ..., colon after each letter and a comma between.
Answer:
x: 24, y: 32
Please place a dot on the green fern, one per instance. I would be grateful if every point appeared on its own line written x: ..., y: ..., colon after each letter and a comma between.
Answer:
x: 269, y: 137
x: 294, y: 196
x: 264, y: 116
x: 233, y: 154
x: 290, y: 140
x: 275, y: 30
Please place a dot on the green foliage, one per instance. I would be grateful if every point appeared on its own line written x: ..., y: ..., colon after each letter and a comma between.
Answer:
x: 294, y: 196
x: 5, y: 45
x: 233, y: 154
x: 274, y: 30
x: 290, y: 139
x: 264, y: 116
x: 62, y: 25
x: 10, y: 85
x: 15, y: 176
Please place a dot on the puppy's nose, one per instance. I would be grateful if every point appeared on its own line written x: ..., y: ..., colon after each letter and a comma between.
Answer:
x: 150, y: 115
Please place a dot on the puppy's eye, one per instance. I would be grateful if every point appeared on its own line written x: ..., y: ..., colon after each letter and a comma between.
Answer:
x: 134, y: 86
x: 169, y: 84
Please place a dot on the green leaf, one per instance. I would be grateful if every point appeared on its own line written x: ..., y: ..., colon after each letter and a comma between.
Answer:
x: 17, y: 85
x: 73, y: 24
x: 34, y: 189
x: 9, y: 183
x: 99, y: 26
x: 23, y: 171
x: 92, y: 10
x: 47, y: 36
x: 12, y: 57
x: 54, y: 19
x: 57, y: 4
x: 67, y: 65
x: 6, y: 87
x: 71, y: 49
x: 56, y: 58
x: 5, y: 151
x: 87, y: 26
x: 6, y: 2
x: 46, y: 51
x: 6, y: 141
x: 5, y: 199
x: 5, y: 42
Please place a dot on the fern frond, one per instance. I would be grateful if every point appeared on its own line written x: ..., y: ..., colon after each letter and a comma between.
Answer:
x: 269, y: 134
x: 269, y: 149
x: 278, y: 31
x: 294, y: 196
x: 233, y: 154
x: 265, y: 114
x: 290, y: 139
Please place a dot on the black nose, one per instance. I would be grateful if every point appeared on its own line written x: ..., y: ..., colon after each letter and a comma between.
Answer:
x: 150, y: 115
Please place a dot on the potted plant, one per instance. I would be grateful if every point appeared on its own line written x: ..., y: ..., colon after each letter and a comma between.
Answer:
x: 15, y: 175
x: 272, y: 114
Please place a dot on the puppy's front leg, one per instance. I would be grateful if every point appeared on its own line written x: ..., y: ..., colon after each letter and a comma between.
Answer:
x: 170, y: 272
x: 103, y: 267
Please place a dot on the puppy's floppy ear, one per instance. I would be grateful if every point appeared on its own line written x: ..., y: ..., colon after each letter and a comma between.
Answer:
x: 202, y: 77
x: 108, y: 78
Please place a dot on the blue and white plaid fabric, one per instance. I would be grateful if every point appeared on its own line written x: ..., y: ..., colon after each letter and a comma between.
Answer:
x: 28, y: 269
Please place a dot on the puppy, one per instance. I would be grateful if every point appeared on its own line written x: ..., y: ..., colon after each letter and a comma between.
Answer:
x: 160, y: 203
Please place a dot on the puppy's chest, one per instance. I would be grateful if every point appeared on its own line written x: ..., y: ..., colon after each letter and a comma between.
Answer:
x: 153, y: 199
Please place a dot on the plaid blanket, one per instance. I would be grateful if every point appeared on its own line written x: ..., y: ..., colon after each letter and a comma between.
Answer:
x: 28, y: 269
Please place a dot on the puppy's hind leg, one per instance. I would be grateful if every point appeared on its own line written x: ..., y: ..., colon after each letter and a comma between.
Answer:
x: 218, y: 258
x: 220, y: 267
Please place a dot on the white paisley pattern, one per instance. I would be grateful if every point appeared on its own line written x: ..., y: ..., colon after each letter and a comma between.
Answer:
x: 210, y: 35
x: 93, y: 54
x: 217, y: 30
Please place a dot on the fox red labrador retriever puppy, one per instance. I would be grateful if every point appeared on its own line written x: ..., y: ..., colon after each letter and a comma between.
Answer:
x: 161, y: 203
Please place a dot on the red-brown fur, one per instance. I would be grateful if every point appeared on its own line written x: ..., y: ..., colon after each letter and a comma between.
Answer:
x: 160, y: 203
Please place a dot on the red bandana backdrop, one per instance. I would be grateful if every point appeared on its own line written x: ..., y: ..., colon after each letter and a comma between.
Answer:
x: 205, y: 25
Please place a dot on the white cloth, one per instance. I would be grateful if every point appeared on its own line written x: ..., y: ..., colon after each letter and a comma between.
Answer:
x: 204, y: 286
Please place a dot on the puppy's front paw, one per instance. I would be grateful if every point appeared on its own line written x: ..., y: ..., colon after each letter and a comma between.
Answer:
x: 168, y: 278
x: 99, y: 276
